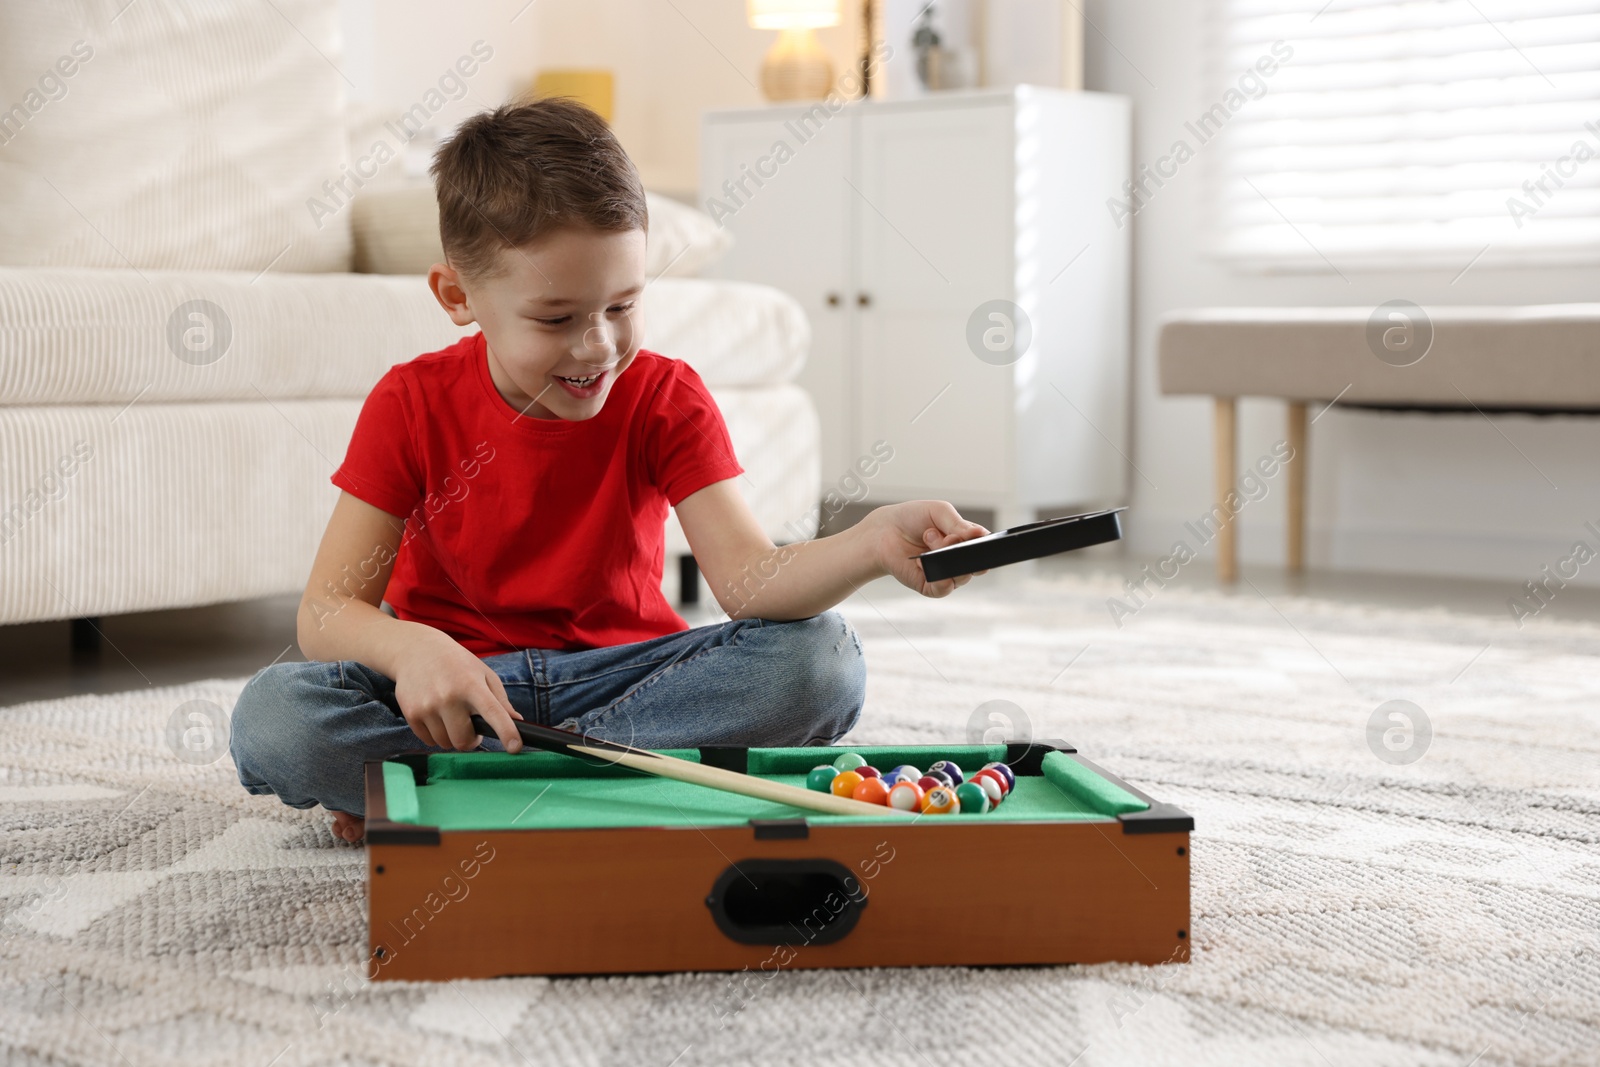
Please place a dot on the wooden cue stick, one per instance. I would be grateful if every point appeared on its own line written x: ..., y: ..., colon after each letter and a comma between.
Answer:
x: 662, y: 766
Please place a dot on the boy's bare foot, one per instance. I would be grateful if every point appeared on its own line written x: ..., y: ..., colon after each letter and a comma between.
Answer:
x: 347, y: 827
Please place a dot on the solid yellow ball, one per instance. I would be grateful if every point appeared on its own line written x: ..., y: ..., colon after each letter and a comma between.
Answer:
x: 845, y: 782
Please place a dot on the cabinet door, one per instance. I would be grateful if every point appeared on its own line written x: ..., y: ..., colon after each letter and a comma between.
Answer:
x: 933, y: 201
x: 789, y: 232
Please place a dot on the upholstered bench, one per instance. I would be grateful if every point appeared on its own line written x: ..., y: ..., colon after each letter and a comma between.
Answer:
x: 1398, y: 356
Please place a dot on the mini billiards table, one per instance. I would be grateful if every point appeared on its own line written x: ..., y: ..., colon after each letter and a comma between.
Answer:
x: 483, y: 864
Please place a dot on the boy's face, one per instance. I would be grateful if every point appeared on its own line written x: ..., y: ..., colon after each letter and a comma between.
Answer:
x: 561, y: 318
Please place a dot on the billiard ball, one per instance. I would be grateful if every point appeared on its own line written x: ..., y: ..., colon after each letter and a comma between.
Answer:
x: 973, y: 798
x: 871, y: 791
x: 904, y: 771
x: 990, y: 787
x: 821, y: 778
x: 1003, y: 770
x: 850, y: 761
x: 845, y: 782
x: 999, y: 779
x: 939, y: 801
x: 869, y: 772
x: 906, y: 796
x: 928, y: 781
x: 948, y: 767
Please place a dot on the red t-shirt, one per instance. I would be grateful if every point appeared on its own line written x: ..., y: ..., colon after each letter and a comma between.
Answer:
x: 533, y: 533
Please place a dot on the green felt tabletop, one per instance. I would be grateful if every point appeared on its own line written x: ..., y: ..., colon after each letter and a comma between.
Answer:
x: 541, y: 790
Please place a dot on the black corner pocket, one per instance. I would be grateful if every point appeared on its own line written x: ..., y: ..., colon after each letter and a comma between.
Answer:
x: 793, y: 902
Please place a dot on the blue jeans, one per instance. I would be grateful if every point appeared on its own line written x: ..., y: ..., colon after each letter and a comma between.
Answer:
x: 303, y: 730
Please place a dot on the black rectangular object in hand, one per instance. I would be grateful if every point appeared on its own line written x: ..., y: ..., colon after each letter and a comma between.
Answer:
x: 1030, y: 541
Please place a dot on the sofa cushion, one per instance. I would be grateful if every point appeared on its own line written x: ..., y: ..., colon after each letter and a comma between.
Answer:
x: 683, y: 240
x: 731, y: 333
x: 397, y: 232
x: 182, y: 134
x: 84, y: 336
x: 1489, y: 357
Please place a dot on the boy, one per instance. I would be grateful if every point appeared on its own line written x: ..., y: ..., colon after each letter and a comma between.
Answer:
x: 507, y: 496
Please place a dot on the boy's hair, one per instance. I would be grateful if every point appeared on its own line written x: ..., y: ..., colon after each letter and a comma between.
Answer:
x: 510, y: 175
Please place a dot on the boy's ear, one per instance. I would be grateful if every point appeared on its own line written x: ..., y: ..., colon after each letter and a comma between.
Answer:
x: 447, y: 289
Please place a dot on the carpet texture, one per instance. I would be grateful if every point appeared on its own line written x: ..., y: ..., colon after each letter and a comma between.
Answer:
x: 1349, y: 908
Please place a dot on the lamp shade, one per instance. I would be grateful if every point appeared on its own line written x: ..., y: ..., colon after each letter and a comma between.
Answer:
x: 792, y: 14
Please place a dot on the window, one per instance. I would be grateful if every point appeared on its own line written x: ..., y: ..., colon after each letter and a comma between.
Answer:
x: 1358, y: 133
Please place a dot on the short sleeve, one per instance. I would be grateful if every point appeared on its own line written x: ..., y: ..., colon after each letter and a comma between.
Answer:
x: 380, y: 466
x: 687, y: 446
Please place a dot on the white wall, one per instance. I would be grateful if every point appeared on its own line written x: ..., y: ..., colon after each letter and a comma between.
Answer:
x: 1394, y: 493
x: 670, y: 61
x: 396, y: 50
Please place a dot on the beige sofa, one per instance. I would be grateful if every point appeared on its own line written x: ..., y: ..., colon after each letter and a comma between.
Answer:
x: 183, y: 344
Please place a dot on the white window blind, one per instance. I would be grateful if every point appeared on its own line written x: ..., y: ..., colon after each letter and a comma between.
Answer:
x: 1430, y: 133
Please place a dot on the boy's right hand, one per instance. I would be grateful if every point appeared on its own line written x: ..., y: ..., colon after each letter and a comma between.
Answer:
x: 441, y: 686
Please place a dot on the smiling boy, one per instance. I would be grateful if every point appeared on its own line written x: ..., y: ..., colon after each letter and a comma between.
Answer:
x: 507, y: 497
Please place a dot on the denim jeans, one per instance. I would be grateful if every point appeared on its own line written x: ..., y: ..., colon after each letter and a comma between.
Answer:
x: 303, y: 730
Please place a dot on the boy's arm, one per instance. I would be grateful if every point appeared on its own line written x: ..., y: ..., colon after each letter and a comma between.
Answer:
x: 752, y: 578
x: 439, y: 685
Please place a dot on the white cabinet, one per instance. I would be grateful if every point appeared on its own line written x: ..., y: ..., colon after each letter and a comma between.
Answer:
x: 897, y: 225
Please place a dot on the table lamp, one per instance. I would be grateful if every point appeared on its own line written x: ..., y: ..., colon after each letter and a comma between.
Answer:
x: 592, y: 88
x: 796, y: 68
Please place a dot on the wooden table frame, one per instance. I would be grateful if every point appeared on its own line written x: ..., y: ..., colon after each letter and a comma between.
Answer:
x: 634, y: 899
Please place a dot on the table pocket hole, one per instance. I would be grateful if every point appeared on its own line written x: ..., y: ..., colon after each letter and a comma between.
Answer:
x: 793, y: 902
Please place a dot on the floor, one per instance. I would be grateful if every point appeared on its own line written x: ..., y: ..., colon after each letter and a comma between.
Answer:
x: 1368, y: 887
x: 235, y: 640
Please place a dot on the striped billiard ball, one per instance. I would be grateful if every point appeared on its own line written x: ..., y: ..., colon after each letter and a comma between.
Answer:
x: 1005, y: 773
x: 906, y: 796
x: 950, y: 769
x: 905, y: 771
x: 1000, y: 779
x: 939, y: 801
x: 1003, y: 770
x: 990, y: 785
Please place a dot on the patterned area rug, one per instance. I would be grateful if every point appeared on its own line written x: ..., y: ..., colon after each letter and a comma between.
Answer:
x: 1421, y: 889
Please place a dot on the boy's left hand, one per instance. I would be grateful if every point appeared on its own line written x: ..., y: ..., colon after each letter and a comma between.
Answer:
x: 902, y: 532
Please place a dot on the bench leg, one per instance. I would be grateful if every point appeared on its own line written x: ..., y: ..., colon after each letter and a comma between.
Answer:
x: 1226, y: 438
x: 1297, y: 488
